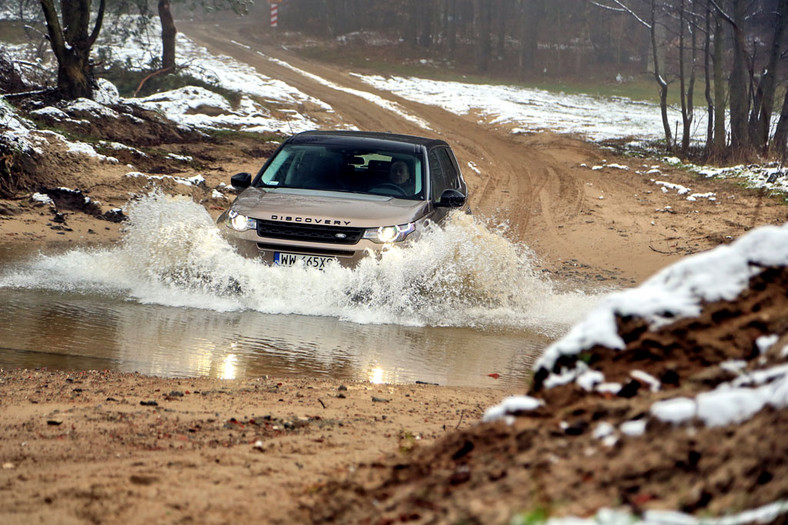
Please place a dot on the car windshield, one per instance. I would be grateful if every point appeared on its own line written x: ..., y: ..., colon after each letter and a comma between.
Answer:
x: 339, y: 168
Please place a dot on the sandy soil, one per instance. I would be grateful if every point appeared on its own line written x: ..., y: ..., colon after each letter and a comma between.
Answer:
x: 107, y: 448
x: 101, y: 447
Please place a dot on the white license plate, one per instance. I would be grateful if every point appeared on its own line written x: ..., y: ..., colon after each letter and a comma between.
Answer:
x: 310, y: 261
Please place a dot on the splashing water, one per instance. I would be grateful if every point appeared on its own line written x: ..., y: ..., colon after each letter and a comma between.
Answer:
x: 172, y: 254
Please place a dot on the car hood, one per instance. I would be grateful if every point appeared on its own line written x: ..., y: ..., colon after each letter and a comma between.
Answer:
x: 324, y: 207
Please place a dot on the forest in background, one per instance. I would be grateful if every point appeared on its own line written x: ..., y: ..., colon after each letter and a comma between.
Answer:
x: 725, y: 58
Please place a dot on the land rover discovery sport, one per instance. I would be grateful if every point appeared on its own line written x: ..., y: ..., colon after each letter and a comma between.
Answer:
x: 339, y: 195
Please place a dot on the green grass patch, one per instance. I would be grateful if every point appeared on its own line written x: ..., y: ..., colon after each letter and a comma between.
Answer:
x: 536, y: 516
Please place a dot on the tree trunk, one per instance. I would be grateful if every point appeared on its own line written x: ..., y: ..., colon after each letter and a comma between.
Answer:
x: 412, y: 29
x: 738, y: 81
x: 451, y: 25
x: 75, y: 75
x: 720, y: 137
x: 780, y: 140
x: 502, y: 13
x: 530, y: 11
x: 483, y: 43
x: 426, y: 20
x: 764, y: 104
x: 689, y: 116
x: 686, y: 100
x: 72, y: 45
x: 663, y: 85
x: 168, y: 33
x: 708, y: 81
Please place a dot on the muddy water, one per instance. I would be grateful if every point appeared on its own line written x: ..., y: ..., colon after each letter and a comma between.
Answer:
x: 173, y: 300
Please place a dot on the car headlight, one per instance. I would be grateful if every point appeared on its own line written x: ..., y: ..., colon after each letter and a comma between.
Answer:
x: 388, y: 234
x: 240, y: 223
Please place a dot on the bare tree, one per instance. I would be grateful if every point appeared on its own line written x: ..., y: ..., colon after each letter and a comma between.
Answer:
x: 483, y: 22
x: 780, y: 139
x: 651, y: 25
x: 530, y: 18
x: 764, y: 88
x: 720, y: 137
x: 708, y: 79
x: 450, y: 16
x: 168, y: 34
x: 71, y: 43
x: 687, y: 85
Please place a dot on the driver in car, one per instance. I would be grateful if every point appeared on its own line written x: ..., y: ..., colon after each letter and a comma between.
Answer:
x: 399, y: 174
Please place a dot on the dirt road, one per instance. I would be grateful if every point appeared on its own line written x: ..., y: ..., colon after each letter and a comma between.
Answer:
x: 605, y: 223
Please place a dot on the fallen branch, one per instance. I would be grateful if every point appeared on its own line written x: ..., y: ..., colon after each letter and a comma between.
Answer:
x: 154, y: 74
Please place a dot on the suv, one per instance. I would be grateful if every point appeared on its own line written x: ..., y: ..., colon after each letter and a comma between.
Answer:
x: 337, y: 195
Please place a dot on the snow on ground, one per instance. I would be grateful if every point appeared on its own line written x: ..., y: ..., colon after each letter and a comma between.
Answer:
x: 531, y: 110
x: 771, y: 177
x: 197, y: 180
x: 765, y: 514
x: 678, y: 292
x: 380, y: 101
x: 224, y: 72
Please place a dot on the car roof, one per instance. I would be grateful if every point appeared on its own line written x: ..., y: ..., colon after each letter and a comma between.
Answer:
x: 362, y: 138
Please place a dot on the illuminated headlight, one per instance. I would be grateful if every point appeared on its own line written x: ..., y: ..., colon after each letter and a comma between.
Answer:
x: 387, y: 234
x: 240, y: 223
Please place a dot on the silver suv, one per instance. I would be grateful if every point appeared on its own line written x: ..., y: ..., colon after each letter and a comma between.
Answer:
x: 339, y: 195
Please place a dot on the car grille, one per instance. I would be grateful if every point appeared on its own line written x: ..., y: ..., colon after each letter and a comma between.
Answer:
x: 309, y: 232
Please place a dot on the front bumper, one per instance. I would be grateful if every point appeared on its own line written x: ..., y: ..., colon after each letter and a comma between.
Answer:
x: 249, y: 244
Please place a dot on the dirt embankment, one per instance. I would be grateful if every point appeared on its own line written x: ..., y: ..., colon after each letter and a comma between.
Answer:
x: 557, y: 461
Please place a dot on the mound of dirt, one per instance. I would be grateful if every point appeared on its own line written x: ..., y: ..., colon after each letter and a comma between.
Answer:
x: 564, y: 459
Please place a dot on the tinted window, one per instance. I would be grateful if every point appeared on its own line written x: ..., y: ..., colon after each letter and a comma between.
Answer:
x: 449, y: 169
x: 440, y: 179
x: 338, y: 168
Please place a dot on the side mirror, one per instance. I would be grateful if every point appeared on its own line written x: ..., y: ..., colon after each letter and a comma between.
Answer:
x: 241, y: 180
x: 451, y: 199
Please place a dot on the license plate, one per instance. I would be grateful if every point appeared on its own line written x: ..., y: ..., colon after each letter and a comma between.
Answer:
x: 310, y: 261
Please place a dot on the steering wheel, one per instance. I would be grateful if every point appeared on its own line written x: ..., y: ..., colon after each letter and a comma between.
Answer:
x: 397, y: 190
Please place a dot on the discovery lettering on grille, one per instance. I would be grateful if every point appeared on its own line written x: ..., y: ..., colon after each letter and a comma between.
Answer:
x: 309, y: 220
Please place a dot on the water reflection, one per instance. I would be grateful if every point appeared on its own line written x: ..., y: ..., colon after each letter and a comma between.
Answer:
x: 83, y: 331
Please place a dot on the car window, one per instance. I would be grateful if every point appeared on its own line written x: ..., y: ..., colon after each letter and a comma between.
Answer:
x: 450, y: 169
x: 438, y: 175
x: 321, y: 167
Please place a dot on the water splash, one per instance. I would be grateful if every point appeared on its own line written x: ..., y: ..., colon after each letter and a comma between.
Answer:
x: 460, y: 274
